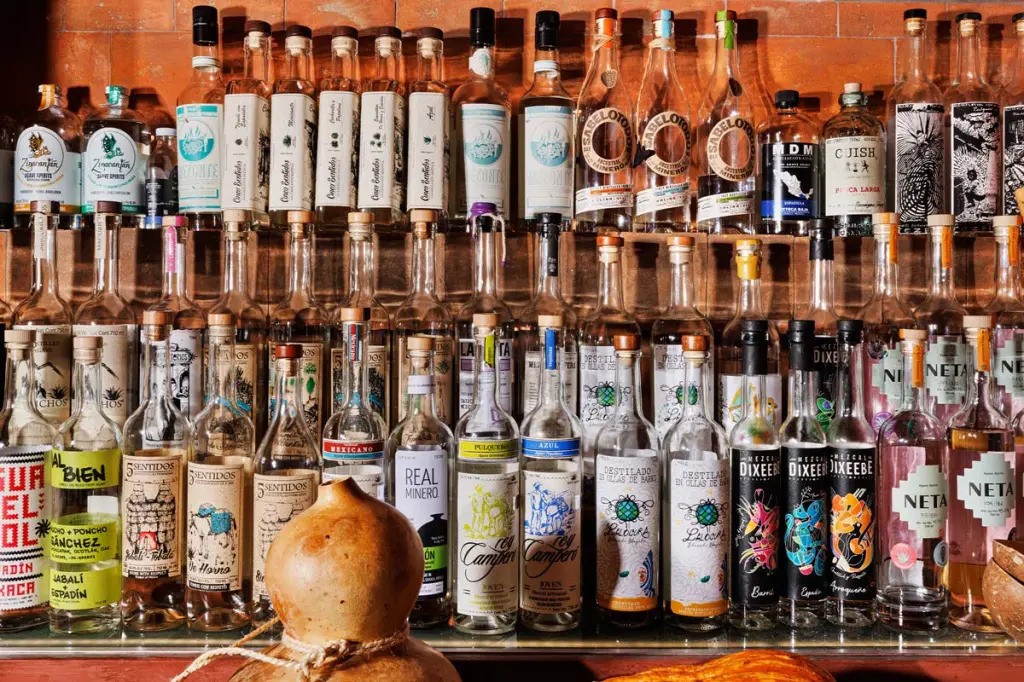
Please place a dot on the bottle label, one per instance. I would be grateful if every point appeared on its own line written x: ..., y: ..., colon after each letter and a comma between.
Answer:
x: 616, y: 133
x: 789, y: 173
x: 1008, y: 369
x: 186, y: 347
x: 531, y: 379
x: 714, y: 206
x: 730, y: 149
x: 52, y: 359
x: 805, y: 534
x: 488, y: 449
x: 664, y: 198
x: 481, y: 62
x: 84, y: 590
x: 85, y: 538
x: 200, y: 127
x: 603, y: 197
x: 442, y: 377
x: 671, y: 394
x: 152, y: 513
x: 852, y: 523
x: 675, y: 131
x: 945, y: 369
x: 246, y: 174
x: 974, y: 160
x: 309, y: 382
x: 277, y: 499
x: 118, y: 346
x: 826, y: 355
x: 85, y: 470
x: 756, y: 481
x: 428, y: 151
x: 353, y: 450
x: 886, y: 383
x: 421, y: 494
x: 551, y: 542
x: 379, y: 376
x: 551, y: 448
x: 485, y: 134
x: 1013, y: 156
x: 466, y: 387
x: 381, y: 151
x: 369, y: 477
x: 292, y: 140
x: 161, y: 191
x: 23, y: 490
x: 216, y: 526
x: 854, y: 175
x: 920, y: 499
x: 919, y: 156
x: 730, y: 391
x: 598, y: 394
x: 246, y: 376
x: 114, y: 170
x: 548, y: 166
x: 488, y: 544
x: 986, y: 488
x: 45, y: 170
x: 336, y: 150
x: 698, y: 533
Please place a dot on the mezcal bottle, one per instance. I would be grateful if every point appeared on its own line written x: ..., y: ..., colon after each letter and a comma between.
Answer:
x: 790, y: 181
x: 115, y: 146
x: 5, y: 324
x: 429, y: 125
x: 1007, y: 311
x: 162, y: 177
x: 48, y: 156
x: 550, y: 598
x: 293, y: 128
x: 1013, y: 124
x: 820, y: 309
x: 486, y: 499
x: 337, y: 140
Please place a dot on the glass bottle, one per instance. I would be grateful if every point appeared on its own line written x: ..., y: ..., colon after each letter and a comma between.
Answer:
x: 286, y: 471
x: 162, y: 175
x: 429, y: 126
x: 662, y: 180
x: 486, y: 499
x: 915, y: 148
x: 419, y: 453
x: 820, y: 309
x: 85, y: 531
x: 157, y: 447
x: 627, y: 493
x: 725, y: 151
x: 1013, y: 124
x: 884, y: 315
x: 116, y: 144
x: 546, y: 300
x: 756, y: 488
x: 246, y: 172
x: 423, y: 313
x: 47, y: 313
x: 804, y: 555
x: 337, y: 141
x: 790, y: 179
x: 482, y: 111
x: 550, y: 599
x: 1007, y: 311
x: 545, y: 132
x: 5, y: 324
x: 293, y: 128
x: 695, y: 505
x: 25, y: 442
x: 945, y: 370
x: 106, y: 313
x: 980, y: 467
x: 48, y: 156
x: 382, y: 133
x: 912, y: 506
x: 972, y: 109
x: 605, y: 137
x: 8, y: 133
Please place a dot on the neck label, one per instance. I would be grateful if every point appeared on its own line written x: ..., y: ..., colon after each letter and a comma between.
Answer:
x: 551, y: 448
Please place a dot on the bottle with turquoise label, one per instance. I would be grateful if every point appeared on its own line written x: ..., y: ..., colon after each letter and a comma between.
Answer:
x: 85, y: 532
x: 116, y: 142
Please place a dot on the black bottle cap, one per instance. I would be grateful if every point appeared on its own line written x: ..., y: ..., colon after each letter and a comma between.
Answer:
x: 787, y: 99
x: 1019, y: 16
x: 546, y: 30
x: 389, y: 32
x: 481, y: 26
x: 485, y: 223
x: 821, y: 244
x: 549, y: 224
x: 298, y: 30
x: 430, y: 32
x: 257, y: 26
x: 975, y: 16
x: 801, y: 344
x: 754, y: 338
x: 916, y: 13
x: 850, y: 332
x: 345, y: 32
x: 204, y: 25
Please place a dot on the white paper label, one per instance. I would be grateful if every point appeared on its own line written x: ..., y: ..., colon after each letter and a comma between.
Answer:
x: 548, y: 160
x: 381, y: 150
x: 698, y: 532
x: 277, y: 499
x: 45, y: 170
x: 52, y: 360
x: 421, y: 494
x: 336, y: 151
x: 670, y: 390
x: 215, y: 526
x: 292, y: 140
x: 854, y: 175
x: 246, y: 172
x: 551, y: 541
x: 715, y: 206
x: 186, y: 349
x: 485, y: 141
x: 428, y: 151
x: 531, y: 380
x: 986, y: 488
x: 730, y: 408
x: 488, y: 544
x: 200, y: 127
x: 603, y: 197
x: 114, y: 170
x: 919, y: 500
x: 945, y: 370
x: 598, y: 395
x: 310, y: 382
x: 151, y: 511
x: 663, y: 198
x: 504, y: 369
x: 23, y: 494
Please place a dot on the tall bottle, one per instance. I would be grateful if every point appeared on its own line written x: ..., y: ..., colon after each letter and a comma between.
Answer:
x: 293, y: 128
x: 820, y: 309
x: 337, y: 140
x: 972, y: 108
x: 429, y: 126
x: 790, y: 180
x: 382, y: 133
x: 162, y: 177
x: 47, y: 313
x: 695, y: 505
x: 115, y: 145
x: 481, y: 109
x: 5, y: 324
x: 1007, y: 311
x: 246, y: 171
x: 1013, y: 124
x: 550, y: 598
x: 157, y: 447
x: 981, y: 471
x: 286, y: 471
x: 48, y: 156
x: 912, y: 506
x: 486, y: 499
x: 605, y: 137
x: 884, y: 315
x: 545, y: 132
x: 725, y: 152
x: 915, y: 147
x: 804, y: 555
x: 419, y: 454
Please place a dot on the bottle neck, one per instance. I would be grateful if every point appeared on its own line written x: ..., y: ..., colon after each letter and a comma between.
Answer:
x: 1017, y: 77
x: 50, y: 98
x: 481, y: 62
x: 822, y: 284
x: 301, y: 261
x: 297, y: 60
x: 344, y: 64
x: 387, y: 64
x: 551, y: 375
x: 206, y: 64
x: 726, y: 54
x: 914, y: 68
x: 627, y: 380
x: 256, y: 59
x: 174, y: 262
x: 606, y: 51
x: 913, y: 380
x: 681, y: 294
x: 748, y: 298
x: 548, y: 283
x: 286, y: 403
x: 693, y: 402
x: 942, y: 267
x: 803, y: 391
x: 20, y: 383
x: 886, y: 281
x: 86, y: 384
x: 430, y: 62
x: 609, y: 283
x: 981, y: 390
x: 485, y: 382
x: 1007, y: 271
x: 44, y: 255
x: 107, y: 267
x: 156, y: 387
x: 236, y: 265
x: 221, y: 373
x: 968, y: 57
x: 547, y: 75
x: 661, y: 63
x: 361, y: 282
x: 485, y: 275
x: 356, y: 369
x: 423, y: 279
x: 849, y: 396
x: 419, y: 400
x: 754, y: 391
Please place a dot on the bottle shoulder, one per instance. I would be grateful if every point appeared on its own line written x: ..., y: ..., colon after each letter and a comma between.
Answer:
x: 859, y: 123
x: 850, y: 432
x: 921, y: 91
x: 249, y: 86
x: 105, y: 308
x: 909, y: 428
x: 42, y: 308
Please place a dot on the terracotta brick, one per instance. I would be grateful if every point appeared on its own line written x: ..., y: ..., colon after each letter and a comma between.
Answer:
x: 447, y: 15
x: 323, y: 14
x: 80, y: 59
x: 119, y: 15
x: 797, y: 18
x: 266, y: 10
x: 153, y: 60
x: 882, y: 19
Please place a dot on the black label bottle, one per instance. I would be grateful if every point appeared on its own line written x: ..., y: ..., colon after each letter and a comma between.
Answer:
x: 820, y: 309
x: 790, y: 167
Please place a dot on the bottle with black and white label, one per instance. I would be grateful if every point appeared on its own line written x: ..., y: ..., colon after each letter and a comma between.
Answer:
x: 820, y: 309
x: 162, y: 176
x: 293, y: 128
x: 1013, y: 125
x: 337, y: 139
x: 854, y: 142
x: 756, y: 494
x: 48, y: 156
x: 427, y: 163
x: 854, y: 520
x: 1007, y: 311
x: 804, y: 550
x: 790, y: 178
x: 116, y: 143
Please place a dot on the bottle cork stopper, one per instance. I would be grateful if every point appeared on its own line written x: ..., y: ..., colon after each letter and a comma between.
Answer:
x: 360, y: 218
x: 174, y: 221
x: 940, y: 220
x: 287, y: 351
x: 1006, y: 221
x: 237, y: 216
x: 156, y: 318
x: 221, y: 320
x: 977, y: 321
x: 610, y: 240
x: 626, y: 342
x: 353, y: 314
x: 549, y: 321
x: 87, y: 342
x: 913, y: 334
x: 885, y: 219
x: 18, y: 336
x: 683, y: 240
x: 46, y: 207
x: 300, y: 217
x: 420, y: 343
x: 108, y: 207
x: 694, y: 342
x: 485, y: 320
x: 419, y: 215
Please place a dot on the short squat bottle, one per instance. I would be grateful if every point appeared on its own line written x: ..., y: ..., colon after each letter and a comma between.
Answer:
x: 790, y: 179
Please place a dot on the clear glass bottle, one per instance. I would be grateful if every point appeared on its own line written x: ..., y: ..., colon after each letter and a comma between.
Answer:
x: 884, y: 315
x: 725, y: 152
x: 820, y: 309
x: 804, y: 555
x: 157, y: 447
x: 756, y: 488
x: 980, y: 466
x: 48, y: 156
x: 972, y: 112
x: 8, y: 133
x: 482, y: 136
x: 46, y: 313
x: 695, y: 505
x: 382, y: 134
x: 1007, y: 311
x: 605, y: 137
x: 85, y: 531
x: 790, y: 179
x: 162, y: 175
x: 419, y: 455
x: 912, y: 506
x: 429, y: 127
x: 485, y: 502
x: 293, y: 128
x: 550, y: 599
x: 1013, y: 124
x: 915, y: 139
x: 115, y: 144
x: 286, y: 472
x: 337, y: 142
x: 5, y: 324
x: 546, y: 155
